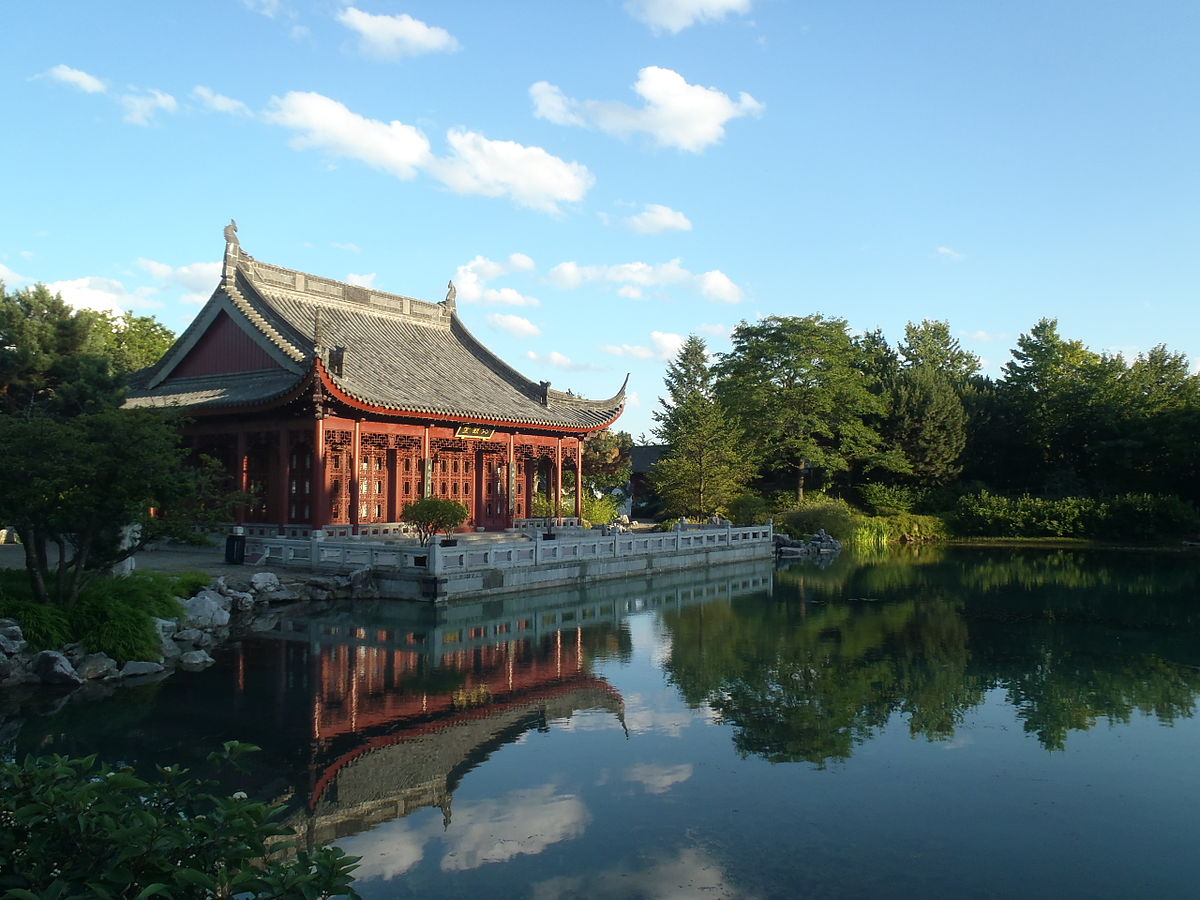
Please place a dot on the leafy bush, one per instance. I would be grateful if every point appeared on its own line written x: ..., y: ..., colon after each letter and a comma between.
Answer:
x: 888, y: 499
x: 433, y: 515
x: 749, y: 509
x: 79, y: 828
x: 189, y: 584
x: 45, y: 627
x: 1133, y: 516
x: 820, y: 512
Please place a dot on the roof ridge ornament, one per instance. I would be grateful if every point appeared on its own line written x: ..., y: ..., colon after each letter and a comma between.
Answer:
x: 451, y: 300
x: 232, y: 252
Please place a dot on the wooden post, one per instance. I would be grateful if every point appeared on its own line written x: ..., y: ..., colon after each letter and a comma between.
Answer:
x: 512, y: 479
x: 426, y: 465
x: 243, y: 474
x: 283, y: 479
x: 355, y: 487
x: 395, y: 504
x: 319, y: 500
x: 557, y: 478
x: 579, y: 479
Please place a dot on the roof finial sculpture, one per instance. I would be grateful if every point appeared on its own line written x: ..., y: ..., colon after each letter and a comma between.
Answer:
x: 231, y: 233
x: 451, y: 296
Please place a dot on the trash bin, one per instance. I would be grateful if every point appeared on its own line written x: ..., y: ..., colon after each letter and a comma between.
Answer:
x: 235, y: 549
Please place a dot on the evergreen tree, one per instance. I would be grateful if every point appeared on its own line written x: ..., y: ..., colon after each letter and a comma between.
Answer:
x: 688, y: 375
x: 930, y: 345
x: 928, y: 423
x: 706, y: 466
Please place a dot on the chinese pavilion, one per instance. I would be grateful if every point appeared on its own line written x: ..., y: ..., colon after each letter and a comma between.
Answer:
x: 334, y: 405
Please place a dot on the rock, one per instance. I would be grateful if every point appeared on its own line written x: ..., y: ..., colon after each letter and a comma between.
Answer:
x: 7, y: 623
x: 264, y: 623
x: 96, y: 665
x: 319, y: 594
x: 202, y: 611
x: 10, y: 647
x: 74, y: 652
x: 140, y: 667
x: 264, y: 581
x: 11, y: 630
x: 242, y: 602
x: 327, y: 583
x: 196, y: 659
x: 216, y: 597
x: 166, y: 627
x: 6, y: 667
x: 52, y: 667
x: 190, y: 637
x: 168, y: 649
x: 361, y: 578
x: 286, y: 593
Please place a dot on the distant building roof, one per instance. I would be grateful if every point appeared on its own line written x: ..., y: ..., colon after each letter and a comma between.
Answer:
x: 643, y: 457
x: 385, y: 352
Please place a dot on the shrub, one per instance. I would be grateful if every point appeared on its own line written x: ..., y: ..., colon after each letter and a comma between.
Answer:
x: 1135, y: 516
x: 44, y: 627
x: 433, y: 515
x: 76, y: 828
x: 888, y: 499
x: 818, y: 512
x: 749, y: 509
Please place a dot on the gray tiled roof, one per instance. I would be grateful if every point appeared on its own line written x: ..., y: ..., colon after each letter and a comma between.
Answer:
x: 400, y: 354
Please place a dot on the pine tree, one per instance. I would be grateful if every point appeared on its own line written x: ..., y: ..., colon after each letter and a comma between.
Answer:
x: 707, y: 466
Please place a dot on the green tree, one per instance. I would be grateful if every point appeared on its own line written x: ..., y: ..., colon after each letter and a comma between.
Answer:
x: 930, y: 345
x: 688, y: 376
x: 706, y: 466
x: 133, y: 342
x: 98, y: 488
x: 433, y: 515
x: 928, y: 423
x: 606, y: 459
x: 800, y: 394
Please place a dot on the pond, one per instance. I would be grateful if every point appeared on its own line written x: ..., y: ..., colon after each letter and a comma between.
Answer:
x: 950, y: 722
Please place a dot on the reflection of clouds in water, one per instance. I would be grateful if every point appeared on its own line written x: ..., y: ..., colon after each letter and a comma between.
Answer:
x: 388, y: 850
x: 519, y: 823
x: 958, y: 742
x: 641, y: 719
x: 688, y: 874
x: 587, y: 720
x: 659, y: 779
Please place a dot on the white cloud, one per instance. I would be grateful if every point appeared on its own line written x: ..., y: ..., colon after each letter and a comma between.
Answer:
x: 104, y: 294
x: 469, y: 280
x: 636, y: 277
x: 658, y: 779
x: 9, y: 277
x: 561, y: 361
x: 392, y: 37
x: 219, y: 102
x: 633, y: 399
x: 676, y: 114
x: 716, y: 331
x: 268, y: 8
x: 89, y: 84
x: 327, y: 125
x: 664, y: 345
x: 690, y: 873
x: 950, y: 254
x: 676, y: 15
x: 656, y: 218
x: 716, y: 285
x: 352, y: 248
x: 197, y: 280
x: 984, y: 336
x: 529, y: 176
x: 514, y: 325
x: 367, y: 281
x: 140, y: 108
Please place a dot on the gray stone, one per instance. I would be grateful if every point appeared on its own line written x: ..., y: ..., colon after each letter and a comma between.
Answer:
x: 7, y: 623
x: 190, y: 637
x: 286, y: 593
x: 264, y: 581
x: 196, y: 659
x: 140, y: 667
x: 96, y: 665
x: 6, y: 667
x: 168, y: 649
x: 202, y: 611
x: 242, y: 602
x: 361, y: 578
x: 166, y: 627
x: 52, y: 667
x: 74, y: 652
x: 9, y: 647
x: 215, y: 597
x: 11, y: 630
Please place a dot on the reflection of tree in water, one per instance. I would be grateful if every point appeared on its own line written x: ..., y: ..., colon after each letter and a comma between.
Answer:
x: 1069, y: 636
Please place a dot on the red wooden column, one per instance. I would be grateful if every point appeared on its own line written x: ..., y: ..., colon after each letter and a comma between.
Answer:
x: 320, y: 501
x: 426, y: 465
x: 283, y: 477
x: 557, y: 477
x: 355, y: 475
x: 511, y: 487
x: 243, y: 474
x: 578, y: 478
x: 395, y: 503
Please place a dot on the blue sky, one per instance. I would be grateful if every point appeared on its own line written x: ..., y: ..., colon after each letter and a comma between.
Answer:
x: 603, y: 177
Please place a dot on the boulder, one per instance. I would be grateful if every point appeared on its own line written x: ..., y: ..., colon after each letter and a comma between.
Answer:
x: 166, y: 627
x: 7, y: 623
x: 241, y: 601
x: 264, y: 581
x: 215, y: 597
x: 96, y: 665
x: 195, y: 659
x: 11, y: 630
x: 6, y: 667
x: 202, y: 611
x: 168, y: 649
x: 10, y: 647
x: 192, y: 638
x: 52, y: 667
x: 140, y: 667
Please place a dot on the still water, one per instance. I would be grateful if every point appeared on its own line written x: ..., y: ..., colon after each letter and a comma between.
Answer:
x: 952, y: 723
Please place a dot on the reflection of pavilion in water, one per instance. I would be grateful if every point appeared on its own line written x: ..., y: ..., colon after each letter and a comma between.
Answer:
x: 402, y: 708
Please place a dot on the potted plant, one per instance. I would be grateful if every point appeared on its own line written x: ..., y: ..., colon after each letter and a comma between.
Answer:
x: 433, y: 515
